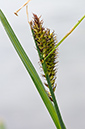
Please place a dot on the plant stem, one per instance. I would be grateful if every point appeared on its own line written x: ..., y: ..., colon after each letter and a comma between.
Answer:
x: 53, y: 97
x: 79, y: 21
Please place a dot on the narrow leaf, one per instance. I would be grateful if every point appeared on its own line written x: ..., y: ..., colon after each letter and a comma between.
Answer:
x: 30, y: 69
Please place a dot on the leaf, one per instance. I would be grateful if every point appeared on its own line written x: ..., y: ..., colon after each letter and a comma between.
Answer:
x: 30, y: 69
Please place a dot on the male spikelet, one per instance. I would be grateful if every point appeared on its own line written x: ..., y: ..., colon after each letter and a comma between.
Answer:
x: 45, y: 43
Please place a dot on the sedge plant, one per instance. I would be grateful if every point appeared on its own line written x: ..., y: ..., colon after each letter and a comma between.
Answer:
x: 47, y: 47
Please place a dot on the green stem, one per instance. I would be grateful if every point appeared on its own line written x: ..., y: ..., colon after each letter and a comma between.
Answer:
x: 53, y: 97
x: 79, y: 21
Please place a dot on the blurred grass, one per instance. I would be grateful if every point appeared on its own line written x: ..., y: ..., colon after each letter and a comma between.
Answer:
x: 2, y: 125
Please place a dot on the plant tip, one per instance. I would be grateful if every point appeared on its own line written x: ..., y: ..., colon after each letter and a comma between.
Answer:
x: 16, y: 13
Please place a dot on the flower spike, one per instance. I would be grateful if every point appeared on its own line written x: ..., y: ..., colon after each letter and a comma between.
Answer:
x: 45, y: 42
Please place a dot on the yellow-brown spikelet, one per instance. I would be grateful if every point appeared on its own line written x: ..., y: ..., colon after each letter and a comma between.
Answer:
x: 45, y: 43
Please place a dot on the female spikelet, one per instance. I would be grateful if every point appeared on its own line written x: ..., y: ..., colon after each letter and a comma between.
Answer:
x: 45, y: 43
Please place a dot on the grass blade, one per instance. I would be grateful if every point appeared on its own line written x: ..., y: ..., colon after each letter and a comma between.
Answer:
x: 30, y: 68
x: 73, y: 28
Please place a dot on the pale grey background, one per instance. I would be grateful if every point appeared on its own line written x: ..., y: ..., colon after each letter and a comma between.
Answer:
x: 20, y: 104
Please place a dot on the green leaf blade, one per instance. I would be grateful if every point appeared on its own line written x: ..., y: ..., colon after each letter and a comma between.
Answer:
x: 30, y: 69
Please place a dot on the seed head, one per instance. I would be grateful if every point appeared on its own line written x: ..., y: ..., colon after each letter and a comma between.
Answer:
x: 45, y: 43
